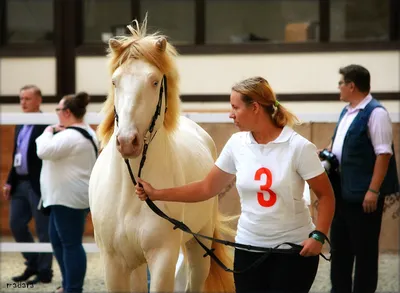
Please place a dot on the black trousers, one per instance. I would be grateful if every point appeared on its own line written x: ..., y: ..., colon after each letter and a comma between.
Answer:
x: 283, y: 273
x: 23, y: 207
x: 355, y: 235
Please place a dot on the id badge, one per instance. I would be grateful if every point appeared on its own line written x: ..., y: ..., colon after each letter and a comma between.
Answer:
x: 17, y: 160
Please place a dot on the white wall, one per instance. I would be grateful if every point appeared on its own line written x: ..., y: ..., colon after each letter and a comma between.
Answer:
x: 17, y: 72
x: 292, y: 73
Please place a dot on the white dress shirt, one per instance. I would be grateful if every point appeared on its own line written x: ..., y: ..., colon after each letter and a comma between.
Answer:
x: 379, y: 128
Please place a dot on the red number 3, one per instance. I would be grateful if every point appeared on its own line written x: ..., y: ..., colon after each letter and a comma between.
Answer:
x: 265, y: 187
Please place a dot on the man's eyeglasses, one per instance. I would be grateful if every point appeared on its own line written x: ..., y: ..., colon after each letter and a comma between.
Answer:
x: 60, y: 109
x: 342, y: 82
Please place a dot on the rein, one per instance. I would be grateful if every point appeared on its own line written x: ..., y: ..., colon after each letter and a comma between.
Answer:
x: 182, y: 226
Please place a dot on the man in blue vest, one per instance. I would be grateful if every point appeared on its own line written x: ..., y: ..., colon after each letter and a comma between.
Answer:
x: 363, y: 145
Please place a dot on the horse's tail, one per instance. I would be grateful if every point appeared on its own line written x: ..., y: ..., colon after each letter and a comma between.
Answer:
x: 218, y: 279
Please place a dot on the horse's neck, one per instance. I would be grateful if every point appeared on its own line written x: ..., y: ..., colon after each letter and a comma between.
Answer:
x: 160, y: 144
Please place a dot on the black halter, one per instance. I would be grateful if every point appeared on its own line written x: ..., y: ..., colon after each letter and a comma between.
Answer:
x: 295, y: 248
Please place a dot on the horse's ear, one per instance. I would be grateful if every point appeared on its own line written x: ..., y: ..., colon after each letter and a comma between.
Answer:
x: 114, y: 44
x: 161, y: 44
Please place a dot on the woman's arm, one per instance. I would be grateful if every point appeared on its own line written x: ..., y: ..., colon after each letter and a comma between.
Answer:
x: 326, y: 207
x: 50, y: 147
x: 202, y: 190
x: 326, y: 201
x: 310, y: 169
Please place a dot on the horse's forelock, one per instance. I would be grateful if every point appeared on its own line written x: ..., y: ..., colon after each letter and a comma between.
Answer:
x: 142, y: 46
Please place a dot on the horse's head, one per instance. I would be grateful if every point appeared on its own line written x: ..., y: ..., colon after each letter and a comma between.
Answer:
x: 138, y: 86
x: 138, y: 65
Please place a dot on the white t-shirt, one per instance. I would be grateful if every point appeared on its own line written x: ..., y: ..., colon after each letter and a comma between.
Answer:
x: 68, y: 159
x: 270, y: 182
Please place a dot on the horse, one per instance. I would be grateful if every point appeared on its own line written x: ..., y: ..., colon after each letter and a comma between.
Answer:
x: 130, y: 236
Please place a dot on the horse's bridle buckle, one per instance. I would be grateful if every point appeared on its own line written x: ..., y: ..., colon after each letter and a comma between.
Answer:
x: 147, y: 137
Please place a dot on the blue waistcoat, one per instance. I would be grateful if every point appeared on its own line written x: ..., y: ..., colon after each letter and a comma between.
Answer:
x: 358, y: 159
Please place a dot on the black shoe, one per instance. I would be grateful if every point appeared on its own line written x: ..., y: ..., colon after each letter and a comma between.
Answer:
x: 38, y: 279
x: 25, y: 276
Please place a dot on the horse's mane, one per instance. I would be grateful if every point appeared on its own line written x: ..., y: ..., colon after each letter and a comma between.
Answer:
x: 139, y: 45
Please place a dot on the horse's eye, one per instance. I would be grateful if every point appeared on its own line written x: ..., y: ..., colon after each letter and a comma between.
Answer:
x: 155, y: 83
x: 113, y: 82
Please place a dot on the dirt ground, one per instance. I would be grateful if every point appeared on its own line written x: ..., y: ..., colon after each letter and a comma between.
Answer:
x: 12, y: 264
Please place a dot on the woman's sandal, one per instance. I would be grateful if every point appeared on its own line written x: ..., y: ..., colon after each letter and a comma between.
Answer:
x: 59, y: 290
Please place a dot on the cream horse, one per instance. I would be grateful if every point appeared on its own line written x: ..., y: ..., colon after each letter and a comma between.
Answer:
x: 128, y: 233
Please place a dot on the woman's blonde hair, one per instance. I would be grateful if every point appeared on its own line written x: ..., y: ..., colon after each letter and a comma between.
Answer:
x: 257, y: 89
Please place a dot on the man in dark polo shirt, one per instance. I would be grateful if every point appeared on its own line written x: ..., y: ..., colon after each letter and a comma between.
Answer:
x: 23, y: 191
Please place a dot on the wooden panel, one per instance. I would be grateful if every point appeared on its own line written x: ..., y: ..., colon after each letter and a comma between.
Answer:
x: 6, y: 148
x: 390, y: 237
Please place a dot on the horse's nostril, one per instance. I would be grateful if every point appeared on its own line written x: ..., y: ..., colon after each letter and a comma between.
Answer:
x: 135, y: 140
x: 118, y: 143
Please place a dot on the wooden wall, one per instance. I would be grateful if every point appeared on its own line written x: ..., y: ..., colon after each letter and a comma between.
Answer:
x: 318, y: 133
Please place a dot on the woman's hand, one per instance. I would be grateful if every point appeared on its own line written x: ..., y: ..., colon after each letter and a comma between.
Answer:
x: 147, y: 191
x: 55, y: 128
x: 311, y: 247
x: 6, y: 191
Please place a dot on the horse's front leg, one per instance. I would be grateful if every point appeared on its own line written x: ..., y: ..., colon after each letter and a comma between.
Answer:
x: 162, y: 264
x: 139, y: 279
x: 116, y: 275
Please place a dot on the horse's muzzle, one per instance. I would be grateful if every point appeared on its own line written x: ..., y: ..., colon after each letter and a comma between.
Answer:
x: 129, y: 146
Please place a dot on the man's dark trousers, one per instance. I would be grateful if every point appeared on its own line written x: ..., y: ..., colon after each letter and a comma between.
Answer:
x: 355, y: 233
x: 23, y: 207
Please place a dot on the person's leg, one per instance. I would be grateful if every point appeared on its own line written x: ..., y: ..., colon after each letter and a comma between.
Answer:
x: 366, y: 236
x: 254, y: 280
x: 44, y: 260
x: 19, y: 217
x: 292, y: 272
x: 56, y: 244
x: 70, y: 225
x: 342, y: 255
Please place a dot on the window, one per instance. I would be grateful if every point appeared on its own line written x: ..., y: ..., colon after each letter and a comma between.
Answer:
x: 273, y: 21
x: 174, y: 18
x: 105, y: 18
x: 29, y: 21
x: 359, y: 20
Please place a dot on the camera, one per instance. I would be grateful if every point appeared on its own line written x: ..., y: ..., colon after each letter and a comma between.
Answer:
x: 329, y: 160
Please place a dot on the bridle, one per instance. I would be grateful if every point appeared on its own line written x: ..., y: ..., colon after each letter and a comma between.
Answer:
x: 182, y: 226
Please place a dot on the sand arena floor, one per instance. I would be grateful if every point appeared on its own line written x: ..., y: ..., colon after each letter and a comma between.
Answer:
x: 12, y: 264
